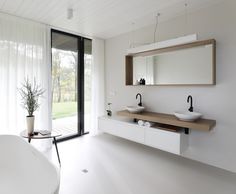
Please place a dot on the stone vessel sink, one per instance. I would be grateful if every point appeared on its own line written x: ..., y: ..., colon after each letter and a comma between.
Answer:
x: 135, y: 109
x: 187, y: 116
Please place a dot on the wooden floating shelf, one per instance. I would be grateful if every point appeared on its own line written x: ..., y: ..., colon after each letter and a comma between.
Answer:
x: 168, y: 119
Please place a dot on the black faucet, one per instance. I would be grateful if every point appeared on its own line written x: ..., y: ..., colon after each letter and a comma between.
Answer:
x: 191, y: 103
x: 140, y: 99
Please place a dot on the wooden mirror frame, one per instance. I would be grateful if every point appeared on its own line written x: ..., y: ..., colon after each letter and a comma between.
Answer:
x: 129, y: 61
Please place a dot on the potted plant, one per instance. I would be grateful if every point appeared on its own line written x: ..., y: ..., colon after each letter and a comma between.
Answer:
x: 30, y: 94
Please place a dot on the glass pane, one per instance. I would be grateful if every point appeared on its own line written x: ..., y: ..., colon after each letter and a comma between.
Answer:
x: 88, y: 83
x: 64, y: 83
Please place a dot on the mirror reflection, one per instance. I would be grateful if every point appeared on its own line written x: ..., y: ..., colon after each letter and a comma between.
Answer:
x: 187, y: 66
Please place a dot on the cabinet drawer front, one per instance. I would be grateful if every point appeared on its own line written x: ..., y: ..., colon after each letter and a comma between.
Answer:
x: 163, y: 140
x: 122, y: 129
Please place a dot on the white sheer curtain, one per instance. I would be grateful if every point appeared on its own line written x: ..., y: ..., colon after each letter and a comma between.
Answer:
x: 23, y: 53
x: 98, y: 85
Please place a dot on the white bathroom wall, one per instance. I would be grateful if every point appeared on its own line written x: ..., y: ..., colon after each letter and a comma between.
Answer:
x: 217, y: 147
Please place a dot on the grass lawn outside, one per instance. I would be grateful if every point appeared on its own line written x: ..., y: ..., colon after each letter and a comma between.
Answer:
x: 63, y: 109
x: 67, y: 109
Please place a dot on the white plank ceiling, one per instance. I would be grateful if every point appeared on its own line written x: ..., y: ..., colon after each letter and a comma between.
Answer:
x: 100, y: 18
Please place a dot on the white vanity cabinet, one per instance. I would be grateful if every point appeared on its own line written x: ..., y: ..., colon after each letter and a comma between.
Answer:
x: 173, y: 142
x: 122, y: 129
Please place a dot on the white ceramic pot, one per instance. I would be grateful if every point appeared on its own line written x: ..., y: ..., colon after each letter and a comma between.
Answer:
x: 30, y: 124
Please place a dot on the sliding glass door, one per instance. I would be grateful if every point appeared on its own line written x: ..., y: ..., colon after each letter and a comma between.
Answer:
x: 68, y: 60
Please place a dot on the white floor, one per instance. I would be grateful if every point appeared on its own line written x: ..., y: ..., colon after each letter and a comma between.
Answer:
x: 117, y: 166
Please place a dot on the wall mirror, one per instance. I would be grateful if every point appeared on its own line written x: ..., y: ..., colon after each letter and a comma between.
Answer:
x: 187, y: 64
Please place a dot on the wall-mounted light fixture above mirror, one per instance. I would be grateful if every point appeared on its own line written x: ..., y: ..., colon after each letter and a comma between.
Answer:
x: 185, y: 64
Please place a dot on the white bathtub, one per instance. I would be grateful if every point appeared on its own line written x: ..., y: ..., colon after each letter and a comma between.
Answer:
x: 24, y: 170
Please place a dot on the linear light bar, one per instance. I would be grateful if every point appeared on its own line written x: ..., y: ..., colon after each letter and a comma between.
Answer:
x: 163, y: 44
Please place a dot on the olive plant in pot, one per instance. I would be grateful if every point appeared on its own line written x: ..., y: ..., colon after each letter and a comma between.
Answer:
x: 30, y: 94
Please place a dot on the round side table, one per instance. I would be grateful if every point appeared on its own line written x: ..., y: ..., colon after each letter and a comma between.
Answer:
x: 38, y: 135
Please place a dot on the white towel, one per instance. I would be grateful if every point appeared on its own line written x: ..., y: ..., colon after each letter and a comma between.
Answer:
x: 141, y: 123
x: 148, y: 124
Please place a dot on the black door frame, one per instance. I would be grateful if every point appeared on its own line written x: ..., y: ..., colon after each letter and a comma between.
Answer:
x: 80, y: 84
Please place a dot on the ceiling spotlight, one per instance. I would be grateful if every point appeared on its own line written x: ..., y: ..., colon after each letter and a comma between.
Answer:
x: 70, y: 13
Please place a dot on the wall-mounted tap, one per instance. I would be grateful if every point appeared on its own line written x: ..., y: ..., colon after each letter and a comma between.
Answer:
x: 140, y: 99
x: 190, y: 98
